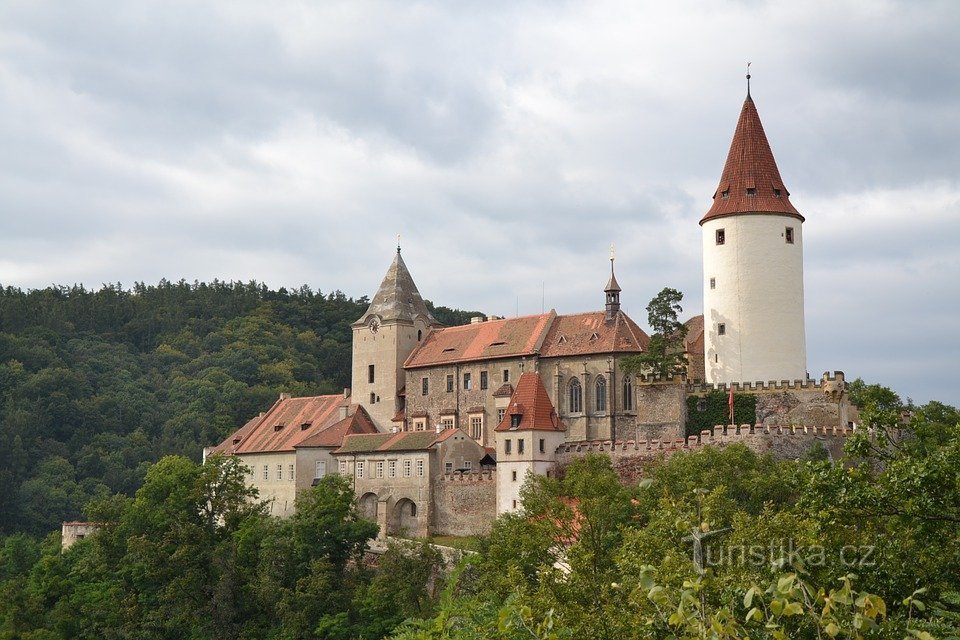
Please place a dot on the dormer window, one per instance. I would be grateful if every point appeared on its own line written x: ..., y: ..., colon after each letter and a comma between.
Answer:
x: 776, y: 193
x: 594, y: 336
x: 305, y: 426
x: 725, y: 194
x: 277, y: 427
x: 751, y: 191
x: 515, y: 420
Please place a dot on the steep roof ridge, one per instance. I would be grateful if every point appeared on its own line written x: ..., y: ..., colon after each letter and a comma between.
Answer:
x: 398, y: 298
x: 532, y: 402
x: 544, y: 329
x: 750, y: 182
x: 253, y: 429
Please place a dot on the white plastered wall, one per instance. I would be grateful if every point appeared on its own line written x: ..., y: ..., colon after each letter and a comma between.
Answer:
x: 758, y: 298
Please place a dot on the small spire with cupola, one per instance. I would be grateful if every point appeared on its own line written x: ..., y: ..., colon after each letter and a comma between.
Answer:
x: 612, y: 289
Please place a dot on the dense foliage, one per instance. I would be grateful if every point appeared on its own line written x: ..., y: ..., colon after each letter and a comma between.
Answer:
x: 869, y: 548
x: 706, y: 411
x: 665, y: 355
x: 192, y: 555
x: 96, y: 385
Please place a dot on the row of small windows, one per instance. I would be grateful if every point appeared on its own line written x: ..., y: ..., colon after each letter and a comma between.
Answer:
x: 751, y: 191
x: 467, y: 382
x: 521, y: 448
x: 280, y: 475
x: 575, y: 395
x: 391, y: 468
x: 721, y: 236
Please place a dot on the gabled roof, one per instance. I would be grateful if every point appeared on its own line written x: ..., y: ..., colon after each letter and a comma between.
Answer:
x: 505, y: 391
x: 532, y: 403
x: 400, y: 441
x: 398, y: 297
x: 588, y: 333
x: 503, y: 338
x: 693, y: 343
x: 289, y: 422
x: 332, y: 436
x: 751, y: 180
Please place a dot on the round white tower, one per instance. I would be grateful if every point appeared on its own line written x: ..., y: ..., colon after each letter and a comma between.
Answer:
x: 752, y: 267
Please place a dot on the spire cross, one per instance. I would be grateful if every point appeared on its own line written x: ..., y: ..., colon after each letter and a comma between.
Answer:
x: 748, y: 79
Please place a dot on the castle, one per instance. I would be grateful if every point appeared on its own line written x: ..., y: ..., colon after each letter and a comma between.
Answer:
x: 441, y: 424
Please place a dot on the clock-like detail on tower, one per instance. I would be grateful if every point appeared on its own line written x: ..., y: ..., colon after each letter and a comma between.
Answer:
x: 374, y: 324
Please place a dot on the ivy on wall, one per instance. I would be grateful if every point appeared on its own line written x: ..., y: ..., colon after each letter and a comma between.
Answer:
x: 706, y: 411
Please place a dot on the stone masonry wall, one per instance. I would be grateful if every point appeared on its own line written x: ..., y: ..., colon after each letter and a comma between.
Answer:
x: 783, y: 443
x: 465, y: 504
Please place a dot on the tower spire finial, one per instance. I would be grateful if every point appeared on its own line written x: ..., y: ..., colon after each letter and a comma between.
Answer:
x: 748, y: 81
x: 398, y: 243
x: 613, y: 255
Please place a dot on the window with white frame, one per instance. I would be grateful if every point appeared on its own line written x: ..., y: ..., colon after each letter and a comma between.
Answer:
x: 359, y: 469
x: 446, y: 422
x: 321, y: 469
x: 420, y: 467
x: 500, y: 414
x: 266, y: 472
x: 290, y: 475
x: 448, y: 467
x: 406, y: 468
x: 279, y: 472
x: 420, y: 424
x: 476, y: 427
x: 391, y: 468
x: 342, y: 466
x: 378, y: 469
x: 467, y: 465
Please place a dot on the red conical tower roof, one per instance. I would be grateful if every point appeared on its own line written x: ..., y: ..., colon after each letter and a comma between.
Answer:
x: 751, y: 182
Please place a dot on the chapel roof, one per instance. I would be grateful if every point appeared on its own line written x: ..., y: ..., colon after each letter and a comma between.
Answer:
x: 532, y: 403
x: 508, y: 337
x: 750, y: 182
x: 398, y: 298
x: 589, y: 333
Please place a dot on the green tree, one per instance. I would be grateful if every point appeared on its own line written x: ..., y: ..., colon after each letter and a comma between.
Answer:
x: 665, y: 355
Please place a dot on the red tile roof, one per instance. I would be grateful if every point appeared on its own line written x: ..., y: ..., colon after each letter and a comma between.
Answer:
x: 289, y: 422
x: 332, y: 436
x: 750, y: 180
x: 482, y: 341
x: 505, y: 390
x: 587, y: 333
x: 532, y: 403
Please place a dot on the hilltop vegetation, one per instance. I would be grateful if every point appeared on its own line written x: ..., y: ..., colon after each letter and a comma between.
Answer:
x: 96, y: 385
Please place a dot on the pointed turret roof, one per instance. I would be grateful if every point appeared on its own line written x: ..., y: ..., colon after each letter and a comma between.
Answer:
x: 750, y: 183
x: 398, y: 297
x: 532, y: 403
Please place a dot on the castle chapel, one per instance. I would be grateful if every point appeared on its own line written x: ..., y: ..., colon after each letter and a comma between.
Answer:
x: 441, y: 424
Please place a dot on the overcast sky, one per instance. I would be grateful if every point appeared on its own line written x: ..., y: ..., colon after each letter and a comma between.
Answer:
x: 508, y: 142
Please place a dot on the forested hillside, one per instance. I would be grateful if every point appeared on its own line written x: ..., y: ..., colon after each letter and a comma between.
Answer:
x: 96, y: 385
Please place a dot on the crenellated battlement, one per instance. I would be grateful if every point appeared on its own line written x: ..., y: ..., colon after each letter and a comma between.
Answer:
x: 483, y: 475
x: 828, y: 382
x: 782, y: 442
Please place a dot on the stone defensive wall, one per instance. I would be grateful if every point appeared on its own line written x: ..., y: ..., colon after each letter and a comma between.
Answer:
x: 781, y: 442
x: 465, y: 503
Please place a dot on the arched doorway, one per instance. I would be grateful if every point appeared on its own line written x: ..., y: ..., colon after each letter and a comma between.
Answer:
x: 406, y: 518
x: 368, y: 506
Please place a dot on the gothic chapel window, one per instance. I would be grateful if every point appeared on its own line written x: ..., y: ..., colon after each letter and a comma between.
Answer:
x: 575, y: 396
x: 627, y: 394
x: 601, y: 396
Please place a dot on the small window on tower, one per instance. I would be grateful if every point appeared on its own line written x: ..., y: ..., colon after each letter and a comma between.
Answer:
x: 370, y: 373
x: 713, y: 283
x: 751, y: 191
x: 725, y: 194
x: 721, y: 329
x: 776, y: 193
x: 419, y: 335
x: 789, y: 235
x: 721, y: 236
x: 506, y: 375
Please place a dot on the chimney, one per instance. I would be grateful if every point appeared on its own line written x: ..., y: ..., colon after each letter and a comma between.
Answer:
x: 344, y: 410
x: 284, y: 396
x: 439, y: 427
x: 346, y: 392
x: 394, y: 429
